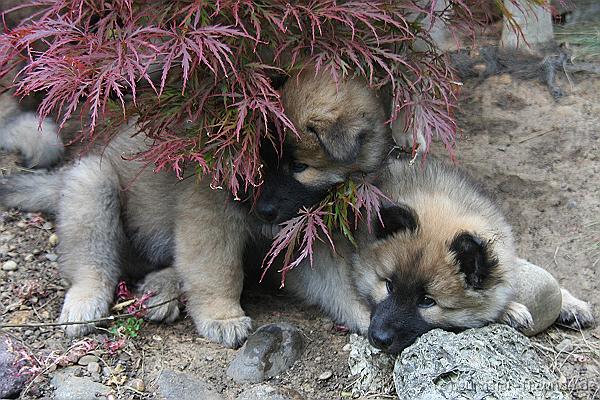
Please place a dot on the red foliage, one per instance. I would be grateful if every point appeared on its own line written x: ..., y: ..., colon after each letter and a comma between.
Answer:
x: 196, y: 74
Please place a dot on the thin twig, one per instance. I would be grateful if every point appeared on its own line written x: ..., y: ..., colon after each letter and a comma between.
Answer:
x: 536, y: 135
x: 92, y: 321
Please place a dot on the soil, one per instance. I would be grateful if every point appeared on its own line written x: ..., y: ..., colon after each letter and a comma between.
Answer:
x: 539, y: 156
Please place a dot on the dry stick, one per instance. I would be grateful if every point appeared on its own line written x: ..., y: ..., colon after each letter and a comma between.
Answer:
x: 92, y: 321
x: 536, y: 135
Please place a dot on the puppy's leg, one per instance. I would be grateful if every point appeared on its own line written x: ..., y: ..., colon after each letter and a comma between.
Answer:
x: 165, y: 287
x: 210, y: 236
x: 92, y: 236
x: 575, y: 313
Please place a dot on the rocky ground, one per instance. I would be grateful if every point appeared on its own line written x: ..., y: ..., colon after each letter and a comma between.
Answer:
x: 541, y: 158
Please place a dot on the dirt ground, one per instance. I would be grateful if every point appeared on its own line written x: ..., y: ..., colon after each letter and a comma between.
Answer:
x: 541, y: 158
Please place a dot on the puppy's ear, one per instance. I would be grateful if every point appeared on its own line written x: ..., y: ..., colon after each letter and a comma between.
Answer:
x: 395, y: 218
x: 341, y: 140
x: 473, y: 259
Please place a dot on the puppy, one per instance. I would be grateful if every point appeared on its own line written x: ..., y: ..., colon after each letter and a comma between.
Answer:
x: 443, y: 257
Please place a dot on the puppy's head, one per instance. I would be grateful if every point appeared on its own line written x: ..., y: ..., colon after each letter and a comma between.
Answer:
x: 341, y: 131
x: 416, y: 281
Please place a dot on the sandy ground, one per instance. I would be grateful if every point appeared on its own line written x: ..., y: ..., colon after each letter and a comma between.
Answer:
x: 541, y: 158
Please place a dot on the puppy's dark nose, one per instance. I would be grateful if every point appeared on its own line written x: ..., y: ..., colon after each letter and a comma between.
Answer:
x: 381, y: 338
x: 267, y: 212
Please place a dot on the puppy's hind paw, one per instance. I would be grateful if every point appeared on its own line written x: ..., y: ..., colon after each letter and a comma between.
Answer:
x: 164, y: 287
x: 575, y: 313
x: 228, y: 332
x: 518, y: 316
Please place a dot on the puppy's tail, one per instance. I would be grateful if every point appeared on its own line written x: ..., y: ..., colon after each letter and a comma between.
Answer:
x: 20, y: 132
x: 32, y: 191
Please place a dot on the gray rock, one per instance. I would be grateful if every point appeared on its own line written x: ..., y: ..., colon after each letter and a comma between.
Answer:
x: 70, y: 387
x: 494, y: 362
x: 11, y: 383
x: 268, y: 392
x: 370, y: 368
x: 174, y: 385
x: 271, y: 349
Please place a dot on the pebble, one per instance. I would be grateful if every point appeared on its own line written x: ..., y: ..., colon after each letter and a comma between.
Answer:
x: 347, y: 347
x: 47, y: 226
x: 29, y: 257
x: 209, y: 358
x: 53, y: 239
x: 51, y: 257
x: 318, y: 359
x: 85, y: 360
x: 9, y: 265
x: 270, y: 350
x: 137, y: 384
x: 93, y: 367
x: 325, y: 375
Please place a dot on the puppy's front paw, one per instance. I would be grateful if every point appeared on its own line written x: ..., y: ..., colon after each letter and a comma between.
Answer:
x: 575, y: 313
x: 82, y: 304
x: 518, y: 316
x: 228, y: 332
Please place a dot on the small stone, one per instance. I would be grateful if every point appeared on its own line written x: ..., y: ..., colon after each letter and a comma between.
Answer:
x: 9, y: 265
x: 137, y: 384
x: 29, y: 257
x: 318, y: 359
x: 85, y: 360
x: 566, y: 346
x: 270, y: 350
x: 571, y: 204
x: 325, y: 375
x: 174, y: 385
x: 347, y: 347
x: 47, y: 226
x: 209, y: 358
x: 93, y: 367
x: 51, y: 257
x: 53, y: 240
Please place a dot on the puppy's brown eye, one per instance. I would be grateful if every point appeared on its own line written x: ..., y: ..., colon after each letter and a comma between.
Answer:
x: 426, y: 302
x: 389, y: 286
x: 298, y: 167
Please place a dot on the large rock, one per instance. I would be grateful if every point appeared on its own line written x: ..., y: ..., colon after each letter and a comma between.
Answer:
x: 11, y: 383
x: 494, y: 362
x: 174, y: 385
x: 371, y: 368
x: 70, y: 387
x: 270, y: 350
